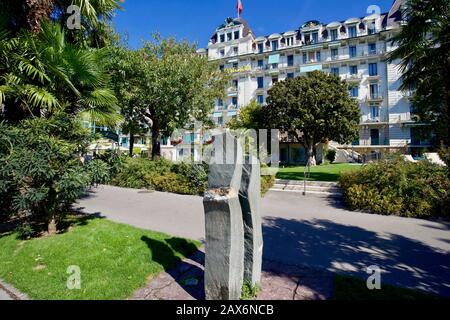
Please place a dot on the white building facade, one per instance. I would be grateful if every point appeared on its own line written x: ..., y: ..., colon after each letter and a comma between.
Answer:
x: 355, y: 49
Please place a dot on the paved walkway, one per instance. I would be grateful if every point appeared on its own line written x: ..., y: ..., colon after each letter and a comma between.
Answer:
x: 314, y: 232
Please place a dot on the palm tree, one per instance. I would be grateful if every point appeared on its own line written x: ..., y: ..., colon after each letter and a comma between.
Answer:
x: 424, y: 51
x: 42, y: 74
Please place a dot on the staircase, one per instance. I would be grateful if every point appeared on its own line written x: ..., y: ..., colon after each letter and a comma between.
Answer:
x: 312, y: 187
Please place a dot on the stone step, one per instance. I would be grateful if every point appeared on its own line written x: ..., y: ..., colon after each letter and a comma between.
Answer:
x: 308, y: 183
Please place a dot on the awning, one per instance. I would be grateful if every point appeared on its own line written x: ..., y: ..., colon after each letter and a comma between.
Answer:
x: 316, y: 67
x: 275, y: 58
x: 232, y: 113
x: 217, y: 114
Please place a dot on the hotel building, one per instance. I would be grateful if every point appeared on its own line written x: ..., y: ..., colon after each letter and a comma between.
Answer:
x: 355, y: 49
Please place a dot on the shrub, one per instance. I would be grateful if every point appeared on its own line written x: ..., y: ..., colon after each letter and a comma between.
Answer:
x: 170, y: 182
x: 41, y: 174
x: 267, y: 182
x: 331, y: 155
x: 99, y: 171
x: 396, y: 187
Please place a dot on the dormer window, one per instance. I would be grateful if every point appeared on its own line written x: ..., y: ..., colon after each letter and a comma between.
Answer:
x: 371, y: 28
x: 275, y: 45
x: 260, y: 47
x: 222, y: 38
x: 352, y: 33
x: 229, y: 36
x: 334, y: 34
x: 236, y: 35
x: 315, y: 37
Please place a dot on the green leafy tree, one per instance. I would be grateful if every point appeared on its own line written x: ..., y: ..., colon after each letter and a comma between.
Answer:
x: 164, y: 86
x: 42, y: 174
x: 313, y: 109
x: 424, y: 52
x: 249, y: 117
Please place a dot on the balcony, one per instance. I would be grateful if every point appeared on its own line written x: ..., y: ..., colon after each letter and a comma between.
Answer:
x: 374, y: 97
x: 273, y: 68
x: 353, y: 78
x: 232, y: 91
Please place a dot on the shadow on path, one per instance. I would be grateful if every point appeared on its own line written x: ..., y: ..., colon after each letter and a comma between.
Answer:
x: 350, y: 250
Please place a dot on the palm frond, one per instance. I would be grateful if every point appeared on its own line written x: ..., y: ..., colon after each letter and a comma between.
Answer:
x: 40, y: 98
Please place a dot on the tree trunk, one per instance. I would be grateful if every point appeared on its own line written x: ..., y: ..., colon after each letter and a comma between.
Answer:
x: 156, y: 142
x: 52, y: 226
x: 131, y: 146
x: 311, y: 159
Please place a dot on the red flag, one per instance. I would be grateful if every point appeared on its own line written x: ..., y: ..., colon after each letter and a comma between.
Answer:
x: 239, y: 8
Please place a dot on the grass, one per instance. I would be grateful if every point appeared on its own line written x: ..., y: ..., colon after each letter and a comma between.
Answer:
x: 327, y: 172
x: 114, y: 260
x: 351, y: 289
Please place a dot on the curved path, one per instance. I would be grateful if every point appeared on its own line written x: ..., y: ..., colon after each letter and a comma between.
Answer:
x: 306, y: 231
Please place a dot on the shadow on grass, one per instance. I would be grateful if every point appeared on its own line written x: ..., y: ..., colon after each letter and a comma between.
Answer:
x: 314, y: 176
x: 183, y: 272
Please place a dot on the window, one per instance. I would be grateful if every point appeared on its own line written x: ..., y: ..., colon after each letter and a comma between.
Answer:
x: 220, y: 103
x: 260, y: 99
x: 222, y: 38
x: 334, y: 53
x: 290, y: 75
x: 371, y: 29
x: 229, y: 36
x: 260, y: 63
x: 222, y: 67
x: 234, y: 84
x: 354, y: 92
x: 315, y: 37
x: 290, y: 61
x: 235, y: 65
x: 222, y: 53
x: 318, y: 57
x: 305, y: 58
x: 234, y: 101
x: 352, y: 51
x: 374, y: 91
x: 219, y: 121
x: 374, y: 112
x: 334, y: 34
x: 311, y: 56
x: 274, y: 80
x: 260, y: 82
x: 235, y: 50
x: 275, y: 45
x: 352, y: 32
x: 236, y: 35
x: 290, y: 41
x: 335, y: 71
x: 353, y: 70
x: 260, y: 47
x: 372, y: 48
x: 373, y: 69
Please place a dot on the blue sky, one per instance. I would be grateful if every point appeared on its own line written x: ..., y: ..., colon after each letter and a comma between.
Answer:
x: 196, y: 20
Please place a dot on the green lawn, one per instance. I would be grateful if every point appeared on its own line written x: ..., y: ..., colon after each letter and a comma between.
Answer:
x: 114, y: 259
x: 351, y: 289
x: 327, y: 172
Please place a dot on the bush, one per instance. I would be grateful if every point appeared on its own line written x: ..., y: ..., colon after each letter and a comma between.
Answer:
x: 267, y: 182
x: 396, y: 187
x: 99, y: 171
x: 163, y: 175
x: 331, y: 155
x: 42, y: 175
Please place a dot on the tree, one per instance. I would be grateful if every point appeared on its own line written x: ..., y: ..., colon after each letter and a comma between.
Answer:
x: 249, y: 117
x: 165, y: 86
x: 42, y: 74
x: 313, y: 109
x: 42, y: 175
x: 424, y: 51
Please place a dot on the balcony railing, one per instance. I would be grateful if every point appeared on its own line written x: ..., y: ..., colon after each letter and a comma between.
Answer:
x: 374, y: 97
